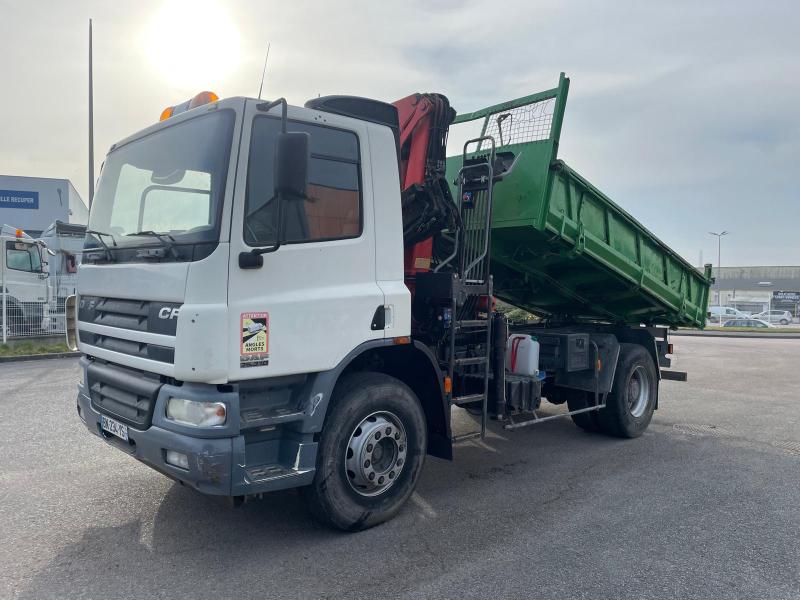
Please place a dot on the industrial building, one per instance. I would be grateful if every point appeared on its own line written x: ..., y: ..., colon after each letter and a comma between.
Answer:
x: 755, y: 289
x: 34, y: 203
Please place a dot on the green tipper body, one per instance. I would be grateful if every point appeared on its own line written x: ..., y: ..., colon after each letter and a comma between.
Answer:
x: 560, y: 246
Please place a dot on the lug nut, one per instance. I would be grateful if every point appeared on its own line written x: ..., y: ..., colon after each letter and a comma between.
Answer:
x: 369, y: 447
x: 366, y: 463
x: 391, y: 474
x: 399, y: 462
x: 371, y: 476
x: 402, y: 447
x: 397, y: 435
x: 388, y: 431
x: 377, y: 435
x: 380, y: 480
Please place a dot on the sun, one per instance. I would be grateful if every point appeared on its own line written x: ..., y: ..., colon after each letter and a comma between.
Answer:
x: 192, y: 44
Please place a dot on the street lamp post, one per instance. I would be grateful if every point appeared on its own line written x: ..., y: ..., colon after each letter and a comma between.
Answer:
x: 719, y: 267
x: 768, y: 284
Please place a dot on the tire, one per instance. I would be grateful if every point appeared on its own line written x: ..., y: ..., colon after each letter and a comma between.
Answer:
x: 367, y: 406
x: 784, y: 322
x: 556, y: 395
x: 630, y: 405
x: 588, y: 421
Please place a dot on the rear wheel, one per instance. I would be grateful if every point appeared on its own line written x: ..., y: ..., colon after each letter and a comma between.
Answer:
x: 370, y: 454
x: 784, y: 322
x: 630, y: 405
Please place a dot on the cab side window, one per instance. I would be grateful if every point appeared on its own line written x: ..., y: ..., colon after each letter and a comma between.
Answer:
x: 23, y: 257
x: 332, y: 209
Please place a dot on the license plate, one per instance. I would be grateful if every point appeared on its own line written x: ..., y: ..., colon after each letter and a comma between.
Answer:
x: 114, y: 427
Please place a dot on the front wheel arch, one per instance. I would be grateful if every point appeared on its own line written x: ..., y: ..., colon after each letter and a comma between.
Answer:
x: 344, y: 499
x: 415, y: 366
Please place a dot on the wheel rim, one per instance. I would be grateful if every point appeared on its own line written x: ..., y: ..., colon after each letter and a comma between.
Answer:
x: 638, y: 392
x: 376, y: 454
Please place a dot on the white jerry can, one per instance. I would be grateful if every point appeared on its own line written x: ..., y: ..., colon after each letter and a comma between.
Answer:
x: 522, y: 355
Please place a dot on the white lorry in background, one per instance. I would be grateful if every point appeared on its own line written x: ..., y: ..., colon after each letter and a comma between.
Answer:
x: 64, y: 243
x: 23, y: 283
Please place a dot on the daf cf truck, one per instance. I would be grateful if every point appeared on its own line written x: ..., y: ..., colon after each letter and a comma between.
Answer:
x: 278, y: 296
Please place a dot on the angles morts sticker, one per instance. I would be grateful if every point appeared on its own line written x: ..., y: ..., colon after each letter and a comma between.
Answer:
x: 254, y: 350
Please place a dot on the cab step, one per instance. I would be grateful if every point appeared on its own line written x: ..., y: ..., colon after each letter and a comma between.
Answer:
x: 466, y: 436
x: 266, y: 417
x: 472, y: 324
x: 265, y: 473
x: 468, y: 399
x: 473, y: 360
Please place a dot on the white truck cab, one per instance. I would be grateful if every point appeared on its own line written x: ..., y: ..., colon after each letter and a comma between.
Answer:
x: 206, y: 180
x: 173, y: 327
x: 24, y: 282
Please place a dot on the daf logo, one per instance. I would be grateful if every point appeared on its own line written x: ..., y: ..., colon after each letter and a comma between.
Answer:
x: 168, y: 313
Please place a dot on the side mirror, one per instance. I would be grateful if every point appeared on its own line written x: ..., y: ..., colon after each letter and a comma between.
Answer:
x: 291, y: 165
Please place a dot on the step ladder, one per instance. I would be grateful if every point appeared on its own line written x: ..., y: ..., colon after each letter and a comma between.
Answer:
x: 472, y: 279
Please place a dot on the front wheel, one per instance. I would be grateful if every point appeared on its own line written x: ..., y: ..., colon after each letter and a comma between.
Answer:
x: 630, y: 405
x: 370, y: 454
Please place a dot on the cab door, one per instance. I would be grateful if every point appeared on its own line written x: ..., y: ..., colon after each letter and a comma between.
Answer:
x: 315, y: 298
x: 23, y: 272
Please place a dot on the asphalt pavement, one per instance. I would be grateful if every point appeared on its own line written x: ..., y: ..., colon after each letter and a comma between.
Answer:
x: 705, y: 505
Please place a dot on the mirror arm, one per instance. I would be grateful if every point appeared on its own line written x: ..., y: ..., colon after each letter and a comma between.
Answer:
x: 254, y: 259
x: 268, y: 106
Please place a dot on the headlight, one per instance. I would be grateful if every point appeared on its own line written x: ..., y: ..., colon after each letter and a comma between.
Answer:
x: 196, y: 414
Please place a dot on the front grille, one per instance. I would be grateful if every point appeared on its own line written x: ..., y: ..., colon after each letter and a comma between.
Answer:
x: 137, y: 315
x: 128, y: 395
x: 163, y: 354
x: 148, y: 316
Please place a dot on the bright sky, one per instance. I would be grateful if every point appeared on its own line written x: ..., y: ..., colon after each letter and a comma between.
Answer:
x: 685, y: 113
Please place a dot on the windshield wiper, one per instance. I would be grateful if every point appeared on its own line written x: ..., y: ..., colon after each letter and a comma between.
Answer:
x: 166, y: 239
x: 99, y: 235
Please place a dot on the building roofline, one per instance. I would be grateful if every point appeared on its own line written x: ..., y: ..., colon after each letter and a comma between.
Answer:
x: 757, y: 267
x: 67, y: 179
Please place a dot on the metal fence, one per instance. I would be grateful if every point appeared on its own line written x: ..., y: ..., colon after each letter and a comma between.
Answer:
x: 33, y: 307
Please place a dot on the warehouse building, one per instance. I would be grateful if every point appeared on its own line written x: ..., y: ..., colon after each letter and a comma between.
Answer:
x: 756, y: 289
x: 34, y: 203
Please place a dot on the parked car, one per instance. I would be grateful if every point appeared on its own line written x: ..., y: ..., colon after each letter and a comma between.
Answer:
x: 755, y: 323
x: 784, y: 317
x: 717, y: 314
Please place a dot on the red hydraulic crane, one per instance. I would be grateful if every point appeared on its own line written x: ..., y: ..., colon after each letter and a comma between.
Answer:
x: 427, y: 203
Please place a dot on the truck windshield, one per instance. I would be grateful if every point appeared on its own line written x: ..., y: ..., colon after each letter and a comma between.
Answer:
x: 170, y: 182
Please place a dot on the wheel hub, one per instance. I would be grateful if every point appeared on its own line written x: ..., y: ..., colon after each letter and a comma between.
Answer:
x: 638, y: 392
x: 376, y: 453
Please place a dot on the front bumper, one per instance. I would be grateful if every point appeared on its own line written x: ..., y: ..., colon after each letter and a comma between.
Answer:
x: 231, y: 461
